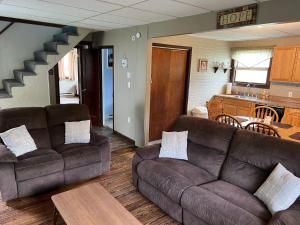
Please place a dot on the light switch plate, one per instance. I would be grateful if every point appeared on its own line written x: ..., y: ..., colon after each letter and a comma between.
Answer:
x: 124, y: 62
x: 290, y: 94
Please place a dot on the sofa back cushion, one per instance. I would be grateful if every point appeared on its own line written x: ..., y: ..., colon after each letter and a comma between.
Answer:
x: 208, y: 142
x: 34, y: 118
x: 57, y: 115
x: 253, y: 156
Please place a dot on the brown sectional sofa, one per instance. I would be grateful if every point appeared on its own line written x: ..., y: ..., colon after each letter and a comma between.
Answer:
x: 216, y: 185
x: 53, y: 164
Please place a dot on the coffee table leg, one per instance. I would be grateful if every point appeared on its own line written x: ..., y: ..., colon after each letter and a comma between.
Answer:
x: 55, y: 215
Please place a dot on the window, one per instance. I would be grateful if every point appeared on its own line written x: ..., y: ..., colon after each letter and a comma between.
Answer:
x: 252, y: 66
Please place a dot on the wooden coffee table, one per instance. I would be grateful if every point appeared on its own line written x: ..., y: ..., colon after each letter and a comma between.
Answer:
x: 91, y: 204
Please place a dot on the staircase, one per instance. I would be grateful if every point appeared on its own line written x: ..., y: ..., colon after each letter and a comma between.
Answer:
x: 30, y: 85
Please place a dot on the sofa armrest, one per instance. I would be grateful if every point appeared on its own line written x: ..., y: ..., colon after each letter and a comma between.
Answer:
x: 148, y: 152
x: 8, y: 184
x: 97, y: 139
x: 6, y: 156
x: 144, y: 153
x: 290, y: 216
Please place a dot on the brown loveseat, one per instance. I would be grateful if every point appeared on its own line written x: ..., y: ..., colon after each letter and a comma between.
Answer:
x: 54, y: 163
x: 216, y: 185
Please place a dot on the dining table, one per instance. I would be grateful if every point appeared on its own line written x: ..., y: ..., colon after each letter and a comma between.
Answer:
x: 286, y: 131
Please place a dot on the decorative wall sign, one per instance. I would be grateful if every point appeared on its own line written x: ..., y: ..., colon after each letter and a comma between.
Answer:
x: 203, y: 64
x: 241, y: 16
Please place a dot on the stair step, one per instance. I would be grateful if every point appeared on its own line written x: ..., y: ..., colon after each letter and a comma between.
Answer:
x: 30, y: 64
x: 19, y: 74
x: 4, y: 94
x: 51, y: 46
x: 9, y: 83
x: 70, y: 30
x: 40, y: 58
x: 41, y: 55
x: 61, y: 37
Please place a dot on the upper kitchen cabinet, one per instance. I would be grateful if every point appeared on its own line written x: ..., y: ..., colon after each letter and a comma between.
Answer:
x: 296, y: 72
x: 284, y: 59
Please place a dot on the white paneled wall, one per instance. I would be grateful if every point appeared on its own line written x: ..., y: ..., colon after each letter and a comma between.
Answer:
x: 203, y: 84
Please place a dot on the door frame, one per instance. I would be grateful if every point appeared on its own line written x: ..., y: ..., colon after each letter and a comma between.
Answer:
x: 188, y: 71
x: 100, y: 48
x: 79, y: 46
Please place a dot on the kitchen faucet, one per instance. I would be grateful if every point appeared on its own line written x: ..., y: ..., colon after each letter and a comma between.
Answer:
x: 249, y: 88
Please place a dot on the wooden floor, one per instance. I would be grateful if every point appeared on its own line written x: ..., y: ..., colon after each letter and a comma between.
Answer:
x: 117, y: 141
x: 39, y: 209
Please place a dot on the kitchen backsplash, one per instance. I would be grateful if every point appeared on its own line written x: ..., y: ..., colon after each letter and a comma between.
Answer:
x: 276, y: 89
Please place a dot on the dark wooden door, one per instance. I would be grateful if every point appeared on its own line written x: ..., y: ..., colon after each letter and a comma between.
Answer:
x: 90, y: 83
x: 169, y: 80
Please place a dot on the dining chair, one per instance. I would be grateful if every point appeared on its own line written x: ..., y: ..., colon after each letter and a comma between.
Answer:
x: 263, y: 111
x: 262, y: 129
x: 292, y: 118
x: 223, y: 118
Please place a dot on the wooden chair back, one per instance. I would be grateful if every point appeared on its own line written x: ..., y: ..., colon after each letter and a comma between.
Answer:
x: 262, y: 129
x: 263, y: 111
x: 229, y: 120
x: 292, y: 118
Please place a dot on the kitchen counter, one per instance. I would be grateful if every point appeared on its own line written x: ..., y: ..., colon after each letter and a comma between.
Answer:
x: 272, y: 100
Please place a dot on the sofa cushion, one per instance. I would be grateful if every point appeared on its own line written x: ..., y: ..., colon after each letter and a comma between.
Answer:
x: 220, y: 202
x: 208, y: 142
x: 34, y: 118
x: 38, y: 163
x: 77, y: 155
x: 57, y: 115
x: 171, y: 176
x: 249, y: 162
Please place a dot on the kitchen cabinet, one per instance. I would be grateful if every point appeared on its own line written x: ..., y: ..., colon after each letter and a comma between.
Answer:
x: 296, y: 72
x: 284, y: 60
x: 215, y: 107
x: 230, y: 106
x: 236, y: 107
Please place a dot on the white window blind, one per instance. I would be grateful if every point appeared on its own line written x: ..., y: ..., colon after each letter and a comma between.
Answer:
x: 252, y: 58
x: 252, y: 65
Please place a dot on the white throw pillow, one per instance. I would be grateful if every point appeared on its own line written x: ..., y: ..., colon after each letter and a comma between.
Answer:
x: 174, y: 145
x: 280, y: 190
x: 77, y: 132
x: 18, y: 140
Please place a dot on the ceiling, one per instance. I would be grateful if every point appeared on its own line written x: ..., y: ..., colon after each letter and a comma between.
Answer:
x: 111, y: 14
x: 253, y: 32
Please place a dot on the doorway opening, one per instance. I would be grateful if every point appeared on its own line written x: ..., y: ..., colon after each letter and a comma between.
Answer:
x: 86, y: 76
x: 68, y: 78
x: 107, y: 77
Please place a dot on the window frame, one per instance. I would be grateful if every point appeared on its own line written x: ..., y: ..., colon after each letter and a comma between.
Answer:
x: 244, y: 84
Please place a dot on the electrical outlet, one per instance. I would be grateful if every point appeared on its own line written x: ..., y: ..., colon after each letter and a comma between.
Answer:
x: 129, y: 85
x: 290, y: 94
x: 128, y: 119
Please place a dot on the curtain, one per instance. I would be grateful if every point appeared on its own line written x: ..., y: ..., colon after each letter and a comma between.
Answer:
x: 68, y: 66
x: 252, y: 57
